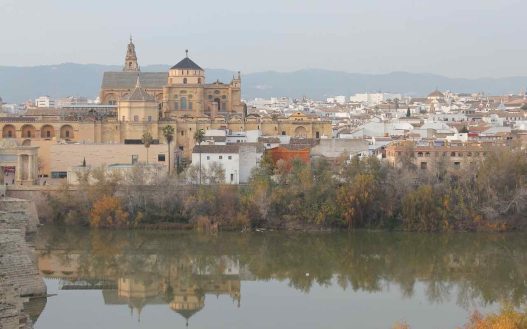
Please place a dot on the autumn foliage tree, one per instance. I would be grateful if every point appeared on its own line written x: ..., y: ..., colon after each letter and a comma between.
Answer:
x: 107, y: 212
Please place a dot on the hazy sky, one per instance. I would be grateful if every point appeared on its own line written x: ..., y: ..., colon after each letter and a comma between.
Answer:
x: 457, y: 38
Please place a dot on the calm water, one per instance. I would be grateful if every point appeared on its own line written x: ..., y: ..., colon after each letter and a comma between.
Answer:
x: 275, y: 280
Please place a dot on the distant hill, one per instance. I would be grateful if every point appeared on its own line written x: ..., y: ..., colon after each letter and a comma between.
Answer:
x: 18, y: 84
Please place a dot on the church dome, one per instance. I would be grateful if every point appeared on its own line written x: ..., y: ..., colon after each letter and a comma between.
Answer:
x: 139, y: 94
x: 186, y: 64
x: 436, y: 94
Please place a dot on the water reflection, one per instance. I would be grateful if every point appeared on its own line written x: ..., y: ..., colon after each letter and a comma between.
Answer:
x: 180, y: 269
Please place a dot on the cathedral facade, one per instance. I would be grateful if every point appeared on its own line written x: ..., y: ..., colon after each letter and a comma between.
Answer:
x: 181, y: 91
x: 149, y: 101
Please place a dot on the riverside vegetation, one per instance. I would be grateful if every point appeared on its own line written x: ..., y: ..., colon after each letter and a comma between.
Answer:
x: 346, y: 194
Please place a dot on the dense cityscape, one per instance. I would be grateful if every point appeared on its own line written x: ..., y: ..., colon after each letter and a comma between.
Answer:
x: 302, y: 165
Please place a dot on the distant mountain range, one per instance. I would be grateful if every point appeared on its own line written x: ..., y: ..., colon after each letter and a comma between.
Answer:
x: 18, y: 84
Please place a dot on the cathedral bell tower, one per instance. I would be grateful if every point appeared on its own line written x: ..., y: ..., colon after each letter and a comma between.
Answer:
x: 130, y: 62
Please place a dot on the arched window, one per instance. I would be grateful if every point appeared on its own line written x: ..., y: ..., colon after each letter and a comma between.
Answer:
x: 183, y: 103
x: 184, y: 81
x: 199, y: 80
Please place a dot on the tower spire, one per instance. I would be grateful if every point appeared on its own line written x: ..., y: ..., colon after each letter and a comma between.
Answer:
x: 130, y: 61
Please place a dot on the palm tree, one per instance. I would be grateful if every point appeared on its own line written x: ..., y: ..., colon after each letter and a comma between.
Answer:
x: 199, y: 137
x: 147, y: 141
x: 168, y: 132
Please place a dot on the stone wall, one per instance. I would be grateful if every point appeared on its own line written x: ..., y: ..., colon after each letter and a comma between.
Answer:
x: 25, y: 209
x: 19, y: 277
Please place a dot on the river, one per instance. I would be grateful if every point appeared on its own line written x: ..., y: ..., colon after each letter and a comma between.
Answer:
x: 131, y: 279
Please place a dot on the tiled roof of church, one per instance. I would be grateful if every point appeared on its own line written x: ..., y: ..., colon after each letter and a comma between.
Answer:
x: 127, y: 80
x: 186, y: 64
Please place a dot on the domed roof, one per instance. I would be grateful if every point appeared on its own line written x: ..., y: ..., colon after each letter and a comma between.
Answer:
x: 436, y: 93
x: 139, y: 94
x: 186, y: 64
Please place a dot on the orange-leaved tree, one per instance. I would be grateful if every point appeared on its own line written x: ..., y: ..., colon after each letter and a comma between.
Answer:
x: 107, y: 212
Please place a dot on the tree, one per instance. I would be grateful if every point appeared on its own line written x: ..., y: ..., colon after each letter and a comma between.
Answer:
x: 168, y: 133
x: 108, y: 212
x: 199, y: 137
x: 147, y: 141
x: 408, y: 113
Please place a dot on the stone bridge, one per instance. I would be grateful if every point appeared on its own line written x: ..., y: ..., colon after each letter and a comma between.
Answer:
x: 20, y: 283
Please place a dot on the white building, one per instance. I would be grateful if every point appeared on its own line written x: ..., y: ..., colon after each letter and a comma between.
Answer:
x: 45, y: 102
x: 372, y: 99
x: 237, y: 160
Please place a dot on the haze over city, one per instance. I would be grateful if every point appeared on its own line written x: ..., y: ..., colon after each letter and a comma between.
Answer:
x: 469, y: 39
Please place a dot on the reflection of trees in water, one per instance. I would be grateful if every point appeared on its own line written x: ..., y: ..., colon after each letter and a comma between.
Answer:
x: 471, y: 268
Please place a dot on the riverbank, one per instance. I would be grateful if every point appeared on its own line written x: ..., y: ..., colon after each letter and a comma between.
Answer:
x: 343, y: 195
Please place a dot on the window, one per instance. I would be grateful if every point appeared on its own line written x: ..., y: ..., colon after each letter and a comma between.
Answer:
x: 424, y: 165
x: 10, y: 134
x: 420, y: 154
x: 452, y: 154
x: 181, y: 148
x: 184, y: 81
x: 182, y: 133
x: 457, y: 164
x: 135, y: 158
x: 176, y: 106
x: 208, y: 157
x: 161, y: 157
x: 136, y: 118
x: 59, y: 174
x: 317, y: 135
x: 221, y: 157
x: 223, y: 97
x: 229, y: 157
x: 48, y: 134
x: 183, y: 103
x: 224, y: 106
x: 67, y: 134
x: 199, y: 80
x: 190, y: 105
x: 232, y: 177
x: 283, y: 133
x: 29, y: 134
